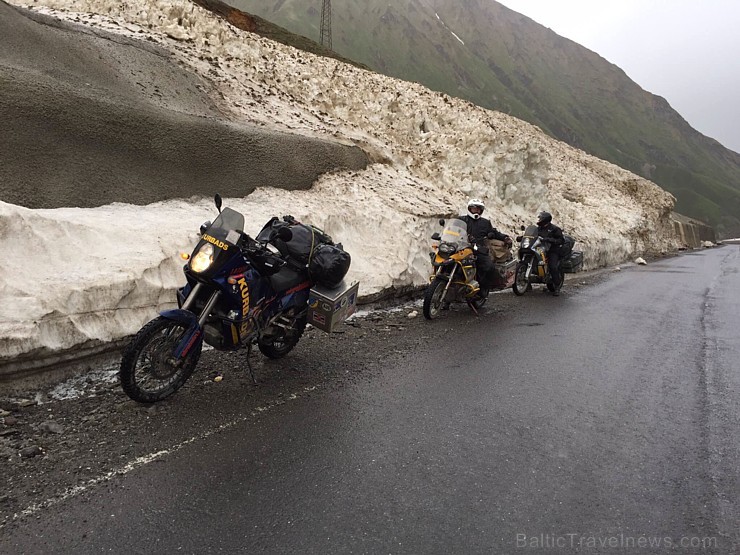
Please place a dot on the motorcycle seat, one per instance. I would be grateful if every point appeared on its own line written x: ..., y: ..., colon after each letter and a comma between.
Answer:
x: 285, y: 278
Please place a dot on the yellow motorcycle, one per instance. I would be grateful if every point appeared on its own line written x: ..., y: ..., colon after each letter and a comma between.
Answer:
x: 454, y: 271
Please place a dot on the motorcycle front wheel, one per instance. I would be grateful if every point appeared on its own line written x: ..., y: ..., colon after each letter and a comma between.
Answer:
x: 520, y: 279
x: 433, y: 299
x: 148, y: 373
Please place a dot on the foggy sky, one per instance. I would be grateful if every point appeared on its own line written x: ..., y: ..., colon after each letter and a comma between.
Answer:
x: 683, y: 50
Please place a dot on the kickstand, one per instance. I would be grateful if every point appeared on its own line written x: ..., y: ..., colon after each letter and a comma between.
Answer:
x: 249, y: 366
x: 472, y: 307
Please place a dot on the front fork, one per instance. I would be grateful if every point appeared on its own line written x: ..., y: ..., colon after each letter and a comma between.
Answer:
x: 530, y: 265
x: 194, y: 324
x: 449, y: 282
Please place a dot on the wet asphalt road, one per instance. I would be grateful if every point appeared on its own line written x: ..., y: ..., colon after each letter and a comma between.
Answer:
x: 606, y: 420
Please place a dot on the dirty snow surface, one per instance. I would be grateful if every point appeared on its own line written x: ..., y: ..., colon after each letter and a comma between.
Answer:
x: 97, y: 282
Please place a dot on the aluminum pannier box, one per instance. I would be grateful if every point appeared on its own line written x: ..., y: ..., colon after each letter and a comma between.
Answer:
x: 327, y: 308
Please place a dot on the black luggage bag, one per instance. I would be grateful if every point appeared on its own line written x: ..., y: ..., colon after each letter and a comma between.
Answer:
x: 310, y: 249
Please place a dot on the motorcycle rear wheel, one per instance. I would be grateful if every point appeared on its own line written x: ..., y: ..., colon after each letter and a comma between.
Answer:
x: 520, y: 279
x: 433, y: 299
x: 147, y: 375
x: 278, y: 346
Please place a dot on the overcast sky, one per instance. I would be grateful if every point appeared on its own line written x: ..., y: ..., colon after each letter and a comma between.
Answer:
x: 687, y: 51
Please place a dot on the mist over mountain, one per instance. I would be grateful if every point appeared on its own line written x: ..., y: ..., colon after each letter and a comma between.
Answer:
x: 482, y: 51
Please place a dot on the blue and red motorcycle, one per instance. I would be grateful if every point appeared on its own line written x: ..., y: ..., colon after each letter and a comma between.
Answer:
x: 240, y: 291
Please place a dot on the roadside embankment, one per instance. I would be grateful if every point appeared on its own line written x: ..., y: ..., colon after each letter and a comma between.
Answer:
x: 690, y: 232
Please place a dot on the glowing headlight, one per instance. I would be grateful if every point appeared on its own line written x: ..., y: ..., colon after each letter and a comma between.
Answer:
x: 526, y: 243
x: 202, y: 259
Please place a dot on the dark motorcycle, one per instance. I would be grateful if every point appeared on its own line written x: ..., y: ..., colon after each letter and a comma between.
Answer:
x: 239, y: 291
x: 532, y: 266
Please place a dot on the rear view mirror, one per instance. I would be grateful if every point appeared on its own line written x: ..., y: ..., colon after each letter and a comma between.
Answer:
x: 436, y: 236
x: 219, y: 202
x: 441, y: 222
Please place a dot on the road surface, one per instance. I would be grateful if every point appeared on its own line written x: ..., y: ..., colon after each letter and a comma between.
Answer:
x: 605, y: 420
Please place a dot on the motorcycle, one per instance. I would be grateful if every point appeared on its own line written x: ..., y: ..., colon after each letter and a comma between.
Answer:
x: 240, y: 291
x: 454, y: 271
x: 532, y: 266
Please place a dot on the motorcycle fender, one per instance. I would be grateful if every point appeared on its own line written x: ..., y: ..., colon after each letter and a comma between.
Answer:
x: 180, y: 316
x: 191, y: 337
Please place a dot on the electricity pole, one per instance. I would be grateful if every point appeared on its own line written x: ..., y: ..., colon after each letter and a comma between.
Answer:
x: 326, y: 24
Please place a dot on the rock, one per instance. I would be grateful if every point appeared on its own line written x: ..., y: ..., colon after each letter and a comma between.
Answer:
x: 51, y: 427
x: 617, y: 269
x: 707, y: 244
x: 4, y: 413
x: 10, y: 421
x: 23, y: 403
x: 218, y: 378
x: 30, y: 452
x: 412, y: 314
x: 177, y: 33
x: 640, y: 260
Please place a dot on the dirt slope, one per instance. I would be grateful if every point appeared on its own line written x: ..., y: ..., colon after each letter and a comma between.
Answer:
x: 91, y: 118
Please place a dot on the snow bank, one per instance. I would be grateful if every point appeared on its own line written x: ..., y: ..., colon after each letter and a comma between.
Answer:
x: 71, y: 277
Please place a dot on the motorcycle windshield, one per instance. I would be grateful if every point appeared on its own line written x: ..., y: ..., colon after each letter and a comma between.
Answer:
x: 228, y: 226
x: 531, y: 231
x: 455, y: 233
x: 531, y: 238
x: 227, y: 220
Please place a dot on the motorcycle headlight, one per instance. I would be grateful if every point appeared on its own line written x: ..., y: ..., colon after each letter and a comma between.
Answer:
x: 202, y: 259
x: 447, y: 248
x: 526, y: 243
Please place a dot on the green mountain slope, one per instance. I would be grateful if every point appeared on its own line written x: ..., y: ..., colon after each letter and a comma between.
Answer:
x: 482, y: 51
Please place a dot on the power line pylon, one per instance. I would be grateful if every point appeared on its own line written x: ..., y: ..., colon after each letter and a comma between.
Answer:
x: 326, y: 24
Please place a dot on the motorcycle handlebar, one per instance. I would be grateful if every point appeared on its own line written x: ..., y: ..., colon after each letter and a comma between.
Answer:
x: 256, y: 248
